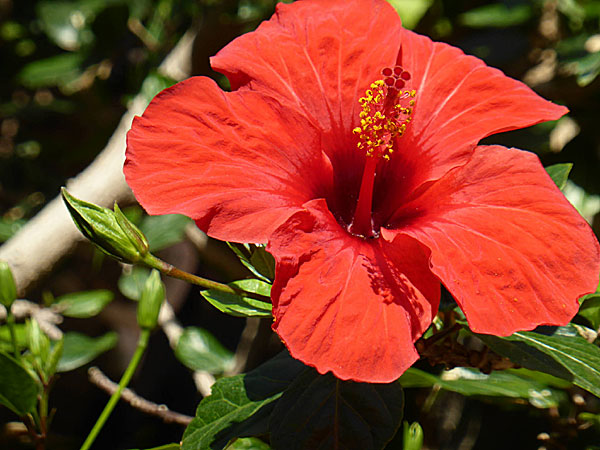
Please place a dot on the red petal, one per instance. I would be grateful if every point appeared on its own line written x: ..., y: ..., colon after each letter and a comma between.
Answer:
x: 459, y: 101
x: 505, y: 242
x: 320, y: 55
x: 239, y: 163
x: 348, y: 305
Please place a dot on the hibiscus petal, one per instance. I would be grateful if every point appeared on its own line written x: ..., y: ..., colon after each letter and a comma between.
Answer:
x: 460, y: 101
x: 505, y: 242
x: 320, y: 55
x: 348, y: 305
x: 238, y: 163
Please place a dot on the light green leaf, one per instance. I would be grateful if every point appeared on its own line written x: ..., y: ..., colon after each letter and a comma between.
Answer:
x: 569, y: 350
x: 411, y: 11
x: 79, y: 349
x: 200, y: 350
x: 18, y: 390
x: 590, y: 310
x: 248, y: 444
x: 164, y: 231
x: 132, y: 282
x: 469, y: 381
x: 560, y: 174
x: 240, y: 306
x: 84, y: 304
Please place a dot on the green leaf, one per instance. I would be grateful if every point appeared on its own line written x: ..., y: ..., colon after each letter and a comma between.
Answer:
x: 590, y: 310
x: 471, y: 382
x: 18, y: 390
x: 164, y: 447
x: 164, y: 231
x: 248, y: 444
x: 560, y: 174
x: 6, y: 339
x: 56, y: 70
x: 496, y: 15
x: 79, y: 349
x: 411, y: 11
x: 84, y: 304
x: 239, y: 306
x: 200, y: 350
x: 223, y: 415
x: 131, y: 283
x: 320, y: 411
x: 256, y: 259
x: 564, y: 345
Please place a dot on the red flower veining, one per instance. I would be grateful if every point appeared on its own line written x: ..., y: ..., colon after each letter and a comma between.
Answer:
x: 349, y: 145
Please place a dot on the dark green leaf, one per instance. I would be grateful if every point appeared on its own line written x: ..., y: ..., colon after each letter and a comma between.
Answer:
x: 164, y: 447
x: 576, y: 355
x: 248, y: 444
x: 320, y: 411
x: 560, y: 173
x: 84, y: 304
x: 79, y: 349
x: 164, y: 231
x: 496, y: 15
x: 239, y: 306
x: 200, y: 350
x: 470, y: 381
x: 222, y: 416
x: 18, y: 390
x: 132, y: 282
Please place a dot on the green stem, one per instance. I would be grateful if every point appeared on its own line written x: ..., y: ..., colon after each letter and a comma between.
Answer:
x: 112, y: 402
x: 10, y: 320
x: 174, y: 272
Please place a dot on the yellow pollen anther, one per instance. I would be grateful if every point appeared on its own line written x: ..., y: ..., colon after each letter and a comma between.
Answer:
x: 386, y: 112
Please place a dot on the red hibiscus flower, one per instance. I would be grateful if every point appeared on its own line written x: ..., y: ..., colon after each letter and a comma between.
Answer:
x: 349, y: 145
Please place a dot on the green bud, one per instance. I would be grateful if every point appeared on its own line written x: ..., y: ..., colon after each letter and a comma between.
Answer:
x: 150, y: 301
x: 412, y: 436
x: 110, y: 230
x: 56, y: 352
x: 8, y: 289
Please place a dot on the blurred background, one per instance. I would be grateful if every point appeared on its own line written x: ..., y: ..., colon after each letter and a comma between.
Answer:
x: 69, y: 70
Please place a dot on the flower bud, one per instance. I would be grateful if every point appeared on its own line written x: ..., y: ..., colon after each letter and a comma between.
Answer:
x: 110, y: 230
x: 8, y: 289
x: 413, y: 436
x: 150, y: 301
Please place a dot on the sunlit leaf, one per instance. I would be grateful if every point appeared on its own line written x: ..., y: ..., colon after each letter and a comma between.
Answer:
x: 411, y: 11
x: 248, y: 444
x: 560, y: 174
x: 241, y: 306
x: 470, y: 381
x: 200, y: 350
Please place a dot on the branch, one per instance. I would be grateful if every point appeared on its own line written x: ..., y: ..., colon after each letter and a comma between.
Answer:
x: 51, y: 234
x: 103, y: 382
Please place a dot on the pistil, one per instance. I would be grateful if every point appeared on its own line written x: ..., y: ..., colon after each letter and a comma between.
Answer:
x: 386, y: 112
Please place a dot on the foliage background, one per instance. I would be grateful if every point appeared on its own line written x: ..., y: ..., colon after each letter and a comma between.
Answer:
x: 67, y: 71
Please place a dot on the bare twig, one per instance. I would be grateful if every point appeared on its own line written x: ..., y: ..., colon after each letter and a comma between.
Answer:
x: 50, y: 235
x: 103, y: 382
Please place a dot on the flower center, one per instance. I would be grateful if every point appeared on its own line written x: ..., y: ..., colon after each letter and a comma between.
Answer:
x: 386, y: 112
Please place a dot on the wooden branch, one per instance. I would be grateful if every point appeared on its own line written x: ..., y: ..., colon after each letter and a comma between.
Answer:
x: 103, y: 382
x: 51, y: 234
